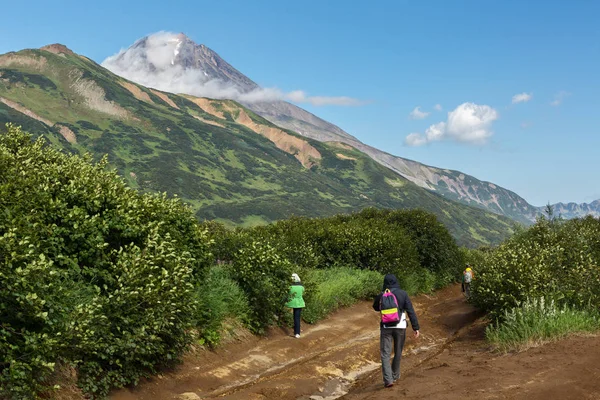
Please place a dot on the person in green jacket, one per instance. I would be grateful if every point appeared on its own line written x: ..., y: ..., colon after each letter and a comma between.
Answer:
x: 296, y: 302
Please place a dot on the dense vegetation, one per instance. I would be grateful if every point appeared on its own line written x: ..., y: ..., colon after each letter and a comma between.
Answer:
x: 543, y: 281
x: 219, y: 166
x: 92, y: 273
x: 114, y: 284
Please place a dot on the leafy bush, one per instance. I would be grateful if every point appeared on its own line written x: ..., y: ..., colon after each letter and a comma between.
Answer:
x: 436, y: 249
x: 219, y: 298
x: 338, y: 287
x: 92, y: 273
x: 552, y: 258
x: 538, y: 321
x: 265, y: 277
x: 342, y: 241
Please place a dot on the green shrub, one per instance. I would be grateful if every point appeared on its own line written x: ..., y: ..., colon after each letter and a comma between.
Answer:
x: 552, y: 258
x: 437, y: 251
x: 419, y: 280
x: 265, y: 278
x: 341, y: 241
x: 140, y: 322
x: 338, y: 287
x: 219, y: 298
x: 91, y: 272
x: 538, y: 321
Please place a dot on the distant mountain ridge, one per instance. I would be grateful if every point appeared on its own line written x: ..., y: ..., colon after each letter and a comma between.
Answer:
x: 453, y: 185
x: 574, y: 210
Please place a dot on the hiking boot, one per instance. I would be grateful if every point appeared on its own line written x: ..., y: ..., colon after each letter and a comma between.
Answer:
x: 297, y: 336
x: 389, y: 385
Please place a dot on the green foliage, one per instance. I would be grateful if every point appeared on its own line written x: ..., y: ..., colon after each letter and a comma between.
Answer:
x: 337, y: 287
x: 436, y: 249
x: 538, y: 321
x: 265, y: 277
x: 342, y: 241
x: 554, y: 258
x: 219, y: 298
x: 92, y: 272
x: 420, y: 280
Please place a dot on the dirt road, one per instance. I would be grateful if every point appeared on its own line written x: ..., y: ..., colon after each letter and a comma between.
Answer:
x: 339, y: 358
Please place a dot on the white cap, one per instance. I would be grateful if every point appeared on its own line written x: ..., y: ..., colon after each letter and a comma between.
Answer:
x: 295, y: 278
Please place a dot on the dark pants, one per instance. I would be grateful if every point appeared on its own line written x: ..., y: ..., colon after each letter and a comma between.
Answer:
x: 467, y: 289
x: 297, y: 312
x: 391, y: 340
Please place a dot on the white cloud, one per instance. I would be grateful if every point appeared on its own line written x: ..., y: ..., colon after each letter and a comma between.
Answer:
x: 435, y: 132
x: 437, y: 107
x: 298, y: 96
x: 415, y: 139
x: 418, y: 114
x: 468, y: 123
x: 153, y: 66
x: 522, y: 98
x: 559, y: 97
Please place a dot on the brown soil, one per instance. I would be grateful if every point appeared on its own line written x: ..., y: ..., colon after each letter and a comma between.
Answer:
x: 208, y: 121
x: 136, y: 91
x: 25, y: 111
x: 341, y: 145
x: 165, y: 98
x: 344, y: 157
x: 339, y: 358
x: 57, y: 48
x: 206, y: 105
x: 299, y: 148
x: 67, y: 133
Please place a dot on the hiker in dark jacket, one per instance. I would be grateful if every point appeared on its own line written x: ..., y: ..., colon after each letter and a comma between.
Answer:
x: 395, y: 333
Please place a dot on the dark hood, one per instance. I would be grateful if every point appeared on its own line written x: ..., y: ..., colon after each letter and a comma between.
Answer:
x: 390, y: 281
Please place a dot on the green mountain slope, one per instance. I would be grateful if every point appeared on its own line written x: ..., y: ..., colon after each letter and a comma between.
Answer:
x: 227, y: 162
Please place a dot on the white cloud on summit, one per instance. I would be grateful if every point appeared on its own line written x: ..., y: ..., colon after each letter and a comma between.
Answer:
x: 522, y: 98
x: 418, y: 114
x: 468, y: 123
x: 153, y: 66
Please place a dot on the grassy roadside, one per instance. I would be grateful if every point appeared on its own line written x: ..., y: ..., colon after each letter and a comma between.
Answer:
x: 540, y: 321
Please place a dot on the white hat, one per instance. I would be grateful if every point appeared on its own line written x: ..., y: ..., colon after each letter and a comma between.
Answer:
x: 295, y: 278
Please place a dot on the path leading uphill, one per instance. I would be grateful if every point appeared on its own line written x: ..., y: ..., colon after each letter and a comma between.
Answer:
x: 339, y: 358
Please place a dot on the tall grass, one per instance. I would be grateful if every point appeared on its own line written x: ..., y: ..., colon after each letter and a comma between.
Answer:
x: 422, y: 281
x: 338, y: 287
x: 220, y: 299
x: 539, y: 321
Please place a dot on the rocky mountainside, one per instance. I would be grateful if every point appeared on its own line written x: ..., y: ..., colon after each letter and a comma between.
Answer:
x: 227, y: 162
x: 190, y: 63
x: 574, y: 210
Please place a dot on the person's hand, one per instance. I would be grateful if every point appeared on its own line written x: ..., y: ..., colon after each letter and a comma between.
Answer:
x: 417, y: 334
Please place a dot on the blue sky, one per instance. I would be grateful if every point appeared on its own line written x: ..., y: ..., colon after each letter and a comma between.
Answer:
x: 395, y: 56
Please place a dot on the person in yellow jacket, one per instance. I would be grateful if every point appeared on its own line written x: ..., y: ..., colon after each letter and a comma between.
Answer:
x: 467, y: 278
x: 296, y: 302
